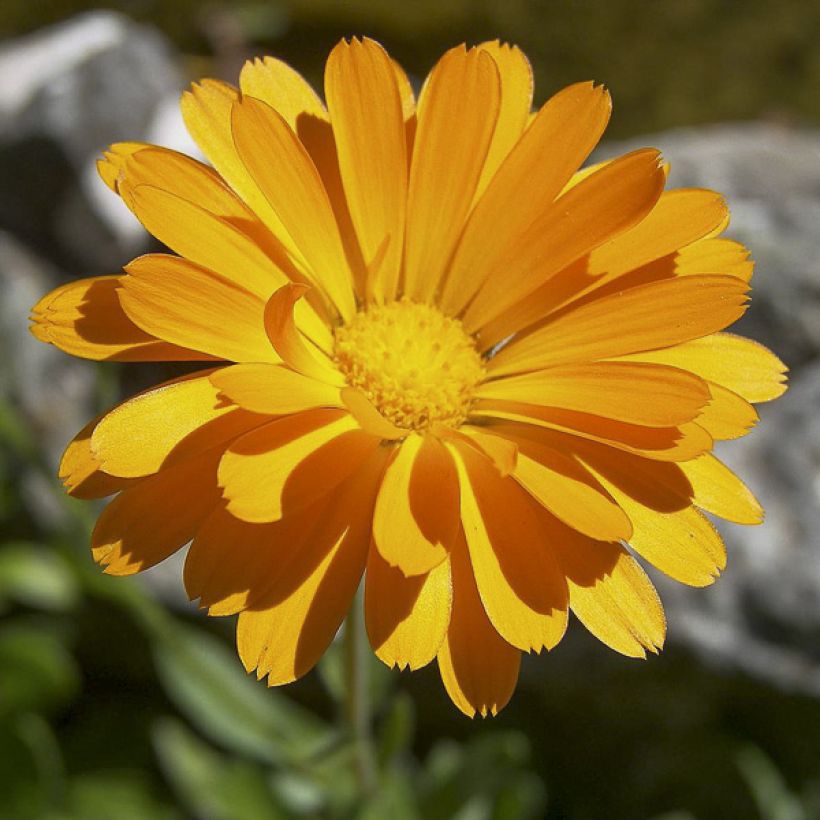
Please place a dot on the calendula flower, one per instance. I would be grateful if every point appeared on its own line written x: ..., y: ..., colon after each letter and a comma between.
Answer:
x: 436, y: 355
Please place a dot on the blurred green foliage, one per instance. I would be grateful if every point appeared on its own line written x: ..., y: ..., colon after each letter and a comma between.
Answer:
x: 668, y: 63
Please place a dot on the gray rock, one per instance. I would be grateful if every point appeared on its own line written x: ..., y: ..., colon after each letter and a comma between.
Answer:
x: 66, y: 92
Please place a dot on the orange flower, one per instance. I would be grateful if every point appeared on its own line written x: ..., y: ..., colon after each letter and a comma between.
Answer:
x: 437, y: 354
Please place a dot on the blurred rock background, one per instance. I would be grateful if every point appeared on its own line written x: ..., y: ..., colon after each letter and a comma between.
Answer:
x: 113, y: 705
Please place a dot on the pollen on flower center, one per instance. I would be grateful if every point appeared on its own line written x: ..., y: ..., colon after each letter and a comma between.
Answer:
x: 415, y: 364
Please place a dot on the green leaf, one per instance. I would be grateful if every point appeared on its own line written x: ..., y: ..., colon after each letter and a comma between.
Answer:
x: 37, y: 672
x: 206, y: 681
x: 768, y: 787
x: 115, y: 795
x: 36, y: 577
x: 211, y: 785
x: 395, y: 798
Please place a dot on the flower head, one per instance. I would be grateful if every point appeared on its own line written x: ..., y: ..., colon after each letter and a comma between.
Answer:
x: 436, y: 354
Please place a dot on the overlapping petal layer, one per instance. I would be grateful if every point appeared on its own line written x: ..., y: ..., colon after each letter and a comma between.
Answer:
x: 538, y: 374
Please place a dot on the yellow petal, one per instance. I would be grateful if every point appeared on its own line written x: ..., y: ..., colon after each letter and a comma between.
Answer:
x: 165, y: 424
x: 668, y: 533
x: 80, y: 471
x: 282, y: 321
x: 206, y: 110
x: 740, y: 365
x: 609, y: 202
x: 368, y: 416
x: 406, y: 618
x: 417, y: 518
x: 520, y: 583
x: 273, y: 389
x: 727, y: 416
x: 565, y: 488
x: 290, y: 628
x: 515, y: 73
x: 184, y: 303
x: 286, y: 175
x: 479, y: 669
x: 365, y: 105
x: 457, y: 114
x: 611, y: 595
x: 562, y: 134
x: 206, y: 239
x: 154, y: 518
x: 652, y: 396
x: 722, y: 256
x: 720, y: 492
x: 503, y: 452
x: 288, y: 463
x: 85, y: 318
x: 113, y: 158
x: 282, y: 88
x: 659, y: 443
x: 649, y: 316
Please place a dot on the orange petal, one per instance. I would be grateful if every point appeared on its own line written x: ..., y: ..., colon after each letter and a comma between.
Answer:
x: 166, y: 424
x: 611, y: 595
x: 515, y: 73
x: 680, y: 217
x: 502, y: 452
x: 280, y: 321
x: 659, y: 443
x: 608, y: 203
x: 183, y: 303
x: 80, y: 471
x: 231, y: 564
x: 562, y: 134
x: 478, y: 667
x: 273, y: 389
x: 521, y: 586
x: 288, y: 463
x: 206, y: 110
x: 290, y: 628
x: 85, y: 318
x: 365, y: 105
x: 457, y: 114
x: 151, y: 520
x: 406, y: 618
x: 651, y: 396
x: 740, y: 365
x: 668, y: 532
x: 286, y: 175
x: 416, y: 518
x: 565, y: 488
x: 646, y: 317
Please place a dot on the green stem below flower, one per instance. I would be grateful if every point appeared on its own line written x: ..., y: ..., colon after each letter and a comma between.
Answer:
x: 357, y: 696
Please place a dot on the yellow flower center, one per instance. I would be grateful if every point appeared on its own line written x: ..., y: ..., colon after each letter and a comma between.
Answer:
x: 415, y: 364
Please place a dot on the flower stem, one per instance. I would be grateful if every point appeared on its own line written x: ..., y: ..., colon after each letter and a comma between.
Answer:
x: 357, y: 696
